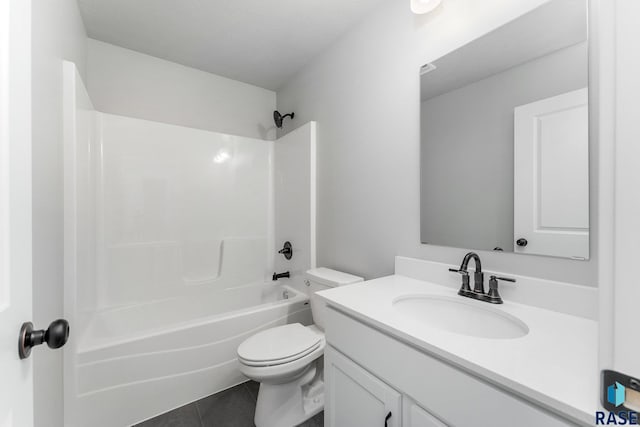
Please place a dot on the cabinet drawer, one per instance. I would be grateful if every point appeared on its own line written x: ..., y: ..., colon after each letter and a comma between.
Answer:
x: 453, y: 396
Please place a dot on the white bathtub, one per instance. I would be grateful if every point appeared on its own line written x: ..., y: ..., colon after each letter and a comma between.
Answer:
x: 136, y: 362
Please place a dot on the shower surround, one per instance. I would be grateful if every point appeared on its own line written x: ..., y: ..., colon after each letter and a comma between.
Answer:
x: 171, y: 235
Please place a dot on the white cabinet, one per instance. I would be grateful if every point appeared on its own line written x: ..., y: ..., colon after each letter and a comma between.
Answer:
x: 369, y: 374
x: 355, y: 398
x: 415, y: 416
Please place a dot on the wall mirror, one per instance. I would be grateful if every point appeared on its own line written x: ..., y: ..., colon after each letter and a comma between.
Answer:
x: 505, y: 138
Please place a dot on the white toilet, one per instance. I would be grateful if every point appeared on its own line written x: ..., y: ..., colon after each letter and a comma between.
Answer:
x: 286, y: 360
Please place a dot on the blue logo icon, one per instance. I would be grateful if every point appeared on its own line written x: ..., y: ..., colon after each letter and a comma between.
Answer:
x: 616, y: 394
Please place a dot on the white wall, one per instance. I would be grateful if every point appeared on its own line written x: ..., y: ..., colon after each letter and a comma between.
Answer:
x: 125, y: 82
x: 619, y: 177
x: 364, y: 94
x: 58, y: 33
x: 294, y: 164
x: 627, y: 291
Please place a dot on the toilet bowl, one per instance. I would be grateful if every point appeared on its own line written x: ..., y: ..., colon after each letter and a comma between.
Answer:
x: 287, y: 360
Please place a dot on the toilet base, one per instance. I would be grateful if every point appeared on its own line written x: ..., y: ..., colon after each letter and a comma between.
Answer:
x: 292, y: 403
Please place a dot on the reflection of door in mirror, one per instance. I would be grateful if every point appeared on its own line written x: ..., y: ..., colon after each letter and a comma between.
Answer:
x: 551, y: 176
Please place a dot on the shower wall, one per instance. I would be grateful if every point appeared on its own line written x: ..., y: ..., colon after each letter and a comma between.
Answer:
x: 156, y: 211
x: 295, y: 198
x: 177, y: 208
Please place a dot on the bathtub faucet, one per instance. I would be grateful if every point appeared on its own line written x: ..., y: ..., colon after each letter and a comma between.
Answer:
x: 277, y: 276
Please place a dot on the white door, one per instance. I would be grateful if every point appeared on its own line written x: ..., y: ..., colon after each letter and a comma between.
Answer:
x: 16, y: 389
x: 355, y: 397
x: 551, y: 176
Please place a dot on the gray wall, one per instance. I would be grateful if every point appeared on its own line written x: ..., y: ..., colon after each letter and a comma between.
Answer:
x: 57, y: 34
x: 125, y: 82
x: 364, y: 94
x: 467, y: 149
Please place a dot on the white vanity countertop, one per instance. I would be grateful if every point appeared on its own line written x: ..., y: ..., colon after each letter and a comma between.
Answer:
x: 554, y: 365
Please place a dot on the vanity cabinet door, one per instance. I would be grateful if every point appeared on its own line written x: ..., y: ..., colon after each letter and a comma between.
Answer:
x: 415, y: 416
x: 355, y: 398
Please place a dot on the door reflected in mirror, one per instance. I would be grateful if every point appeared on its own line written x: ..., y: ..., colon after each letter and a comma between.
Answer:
x: 505, y: 138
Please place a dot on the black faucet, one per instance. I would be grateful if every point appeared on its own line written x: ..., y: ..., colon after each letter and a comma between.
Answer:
x: 277, y: 276
x: 287, y: 250
x: 478, y: 276
x: 478, y: 281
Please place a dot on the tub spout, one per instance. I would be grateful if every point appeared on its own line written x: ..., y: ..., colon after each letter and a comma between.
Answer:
x: 277, y: 276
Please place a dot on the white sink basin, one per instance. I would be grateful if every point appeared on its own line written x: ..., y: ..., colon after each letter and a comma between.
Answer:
x: 460, y: 316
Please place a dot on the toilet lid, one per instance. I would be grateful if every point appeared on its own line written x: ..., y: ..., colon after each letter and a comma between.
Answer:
x: 279, y: 345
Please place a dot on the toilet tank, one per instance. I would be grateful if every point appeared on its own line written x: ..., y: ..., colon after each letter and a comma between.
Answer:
x: 320, y: 279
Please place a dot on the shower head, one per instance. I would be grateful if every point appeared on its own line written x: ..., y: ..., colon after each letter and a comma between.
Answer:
x: 278, y: 118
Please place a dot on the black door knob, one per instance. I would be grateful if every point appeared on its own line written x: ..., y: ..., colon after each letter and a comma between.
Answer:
x: 521, y: 242
x: 55, y: 336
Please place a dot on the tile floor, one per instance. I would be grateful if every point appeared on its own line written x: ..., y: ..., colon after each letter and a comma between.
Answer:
x: 231, y: 408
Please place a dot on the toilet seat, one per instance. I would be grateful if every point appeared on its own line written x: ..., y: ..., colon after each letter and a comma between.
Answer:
x: 279, y: 361
x: 284, y: 372
x: 279, y: 345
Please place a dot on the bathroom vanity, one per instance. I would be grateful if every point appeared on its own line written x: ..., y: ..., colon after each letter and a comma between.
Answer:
x: 534, y: 366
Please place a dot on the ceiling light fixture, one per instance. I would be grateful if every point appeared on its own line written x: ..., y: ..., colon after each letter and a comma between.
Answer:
x: 424, y: 6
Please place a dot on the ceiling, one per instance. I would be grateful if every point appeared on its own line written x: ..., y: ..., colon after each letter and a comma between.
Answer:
x: 261, y: 42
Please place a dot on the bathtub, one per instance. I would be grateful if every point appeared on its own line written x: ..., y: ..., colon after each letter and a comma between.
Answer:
x: 135, y: 362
